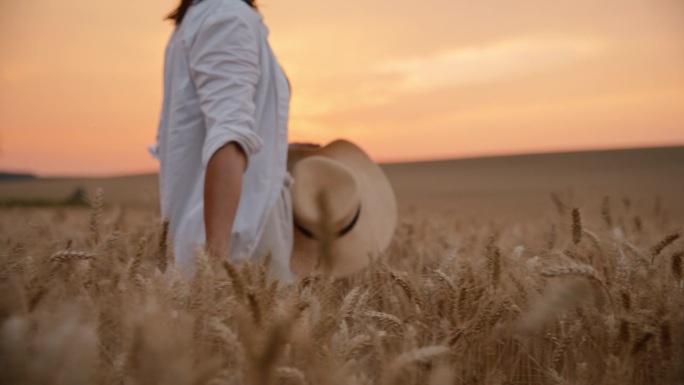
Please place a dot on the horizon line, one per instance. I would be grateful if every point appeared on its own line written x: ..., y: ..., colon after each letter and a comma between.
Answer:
x: 540, y: 152
x: 397, y: 162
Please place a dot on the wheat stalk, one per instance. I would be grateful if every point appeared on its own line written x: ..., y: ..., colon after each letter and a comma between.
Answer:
x: 239, y: 286
x: 576, y: 226
x: 404, y: 360
x: 95, y: 215
x: 134, y: 267
x: 676, y: 265
x: 660, y: 246
x: 350, y: 300
x: 641, y: 343
x: 405, y: 286
x: 605, y: 212
x: 70, y: 255
x: 162, y: 257
x: 386, y: 321
x: 292, y: 374
x: 446, y: 283
x: 584, y: 271
x: 493, y: 255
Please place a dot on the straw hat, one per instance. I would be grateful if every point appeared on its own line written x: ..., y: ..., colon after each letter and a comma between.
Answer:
x: 340, y: 188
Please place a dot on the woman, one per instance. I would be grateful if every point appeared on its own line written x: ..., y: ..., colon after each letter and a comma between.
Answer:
x: 222, y: 140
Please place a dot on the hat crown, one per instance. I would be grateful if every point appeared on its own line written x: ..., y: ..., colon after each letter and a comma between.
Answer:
x: 323, y: 181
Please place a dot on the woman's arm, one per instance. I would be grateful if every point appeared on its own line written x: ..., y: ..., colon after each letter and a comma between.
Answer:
x: 225, y: 69
x: 222, y: 185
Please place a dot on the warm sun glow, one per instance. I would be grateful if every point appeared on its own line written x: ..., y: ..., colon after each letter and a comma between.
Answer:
x: 80, y: 81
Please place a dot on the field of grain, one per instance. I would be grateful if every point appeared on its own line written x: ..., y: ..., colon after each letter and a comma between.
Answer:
x: 548, y: 269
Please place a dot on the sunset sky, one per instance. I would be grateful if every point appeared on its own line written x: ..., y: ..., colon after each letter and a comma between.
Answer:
x: 80, y: 80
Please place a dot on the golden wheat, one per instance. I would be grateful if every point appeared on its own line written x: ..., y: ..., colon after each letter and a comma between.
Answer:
x: 443, y: 306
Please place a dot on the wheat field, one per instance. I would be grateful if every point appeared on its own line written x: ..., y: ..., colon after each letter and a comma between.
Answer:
x: 589, y: 293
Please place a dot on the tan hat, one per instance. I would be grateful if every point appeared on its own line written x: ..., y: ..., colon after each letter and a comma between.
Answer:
x: 359, y: 204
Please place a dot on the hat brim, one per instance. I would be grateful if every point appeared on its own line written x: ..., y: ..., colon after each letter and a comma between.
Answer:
x: 377, y: 221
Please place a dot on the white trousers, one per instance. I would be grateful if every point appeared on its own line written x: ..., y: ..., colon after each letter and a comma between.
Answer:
x: 277, y: 236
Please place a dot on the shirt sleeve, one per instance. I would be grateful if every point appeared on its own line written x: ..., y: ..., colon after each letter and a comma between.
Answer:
x: 224, y: 65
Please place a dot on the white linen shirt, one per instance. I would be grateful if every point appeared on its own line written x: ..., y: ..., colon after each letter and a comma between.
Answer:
x: 222, y: 83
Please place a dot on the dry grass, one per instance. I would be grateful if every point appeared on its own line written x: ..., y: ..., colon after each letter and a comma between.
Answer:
x: 91, y: 297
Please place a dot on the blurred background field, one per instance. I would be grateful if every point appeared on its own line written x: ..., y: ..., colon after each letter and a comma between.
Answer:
x: 515, y: 186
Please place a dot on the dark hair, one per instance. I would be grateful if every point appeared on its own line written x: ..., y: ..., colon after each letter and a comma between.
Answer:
x: 179, y: 13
